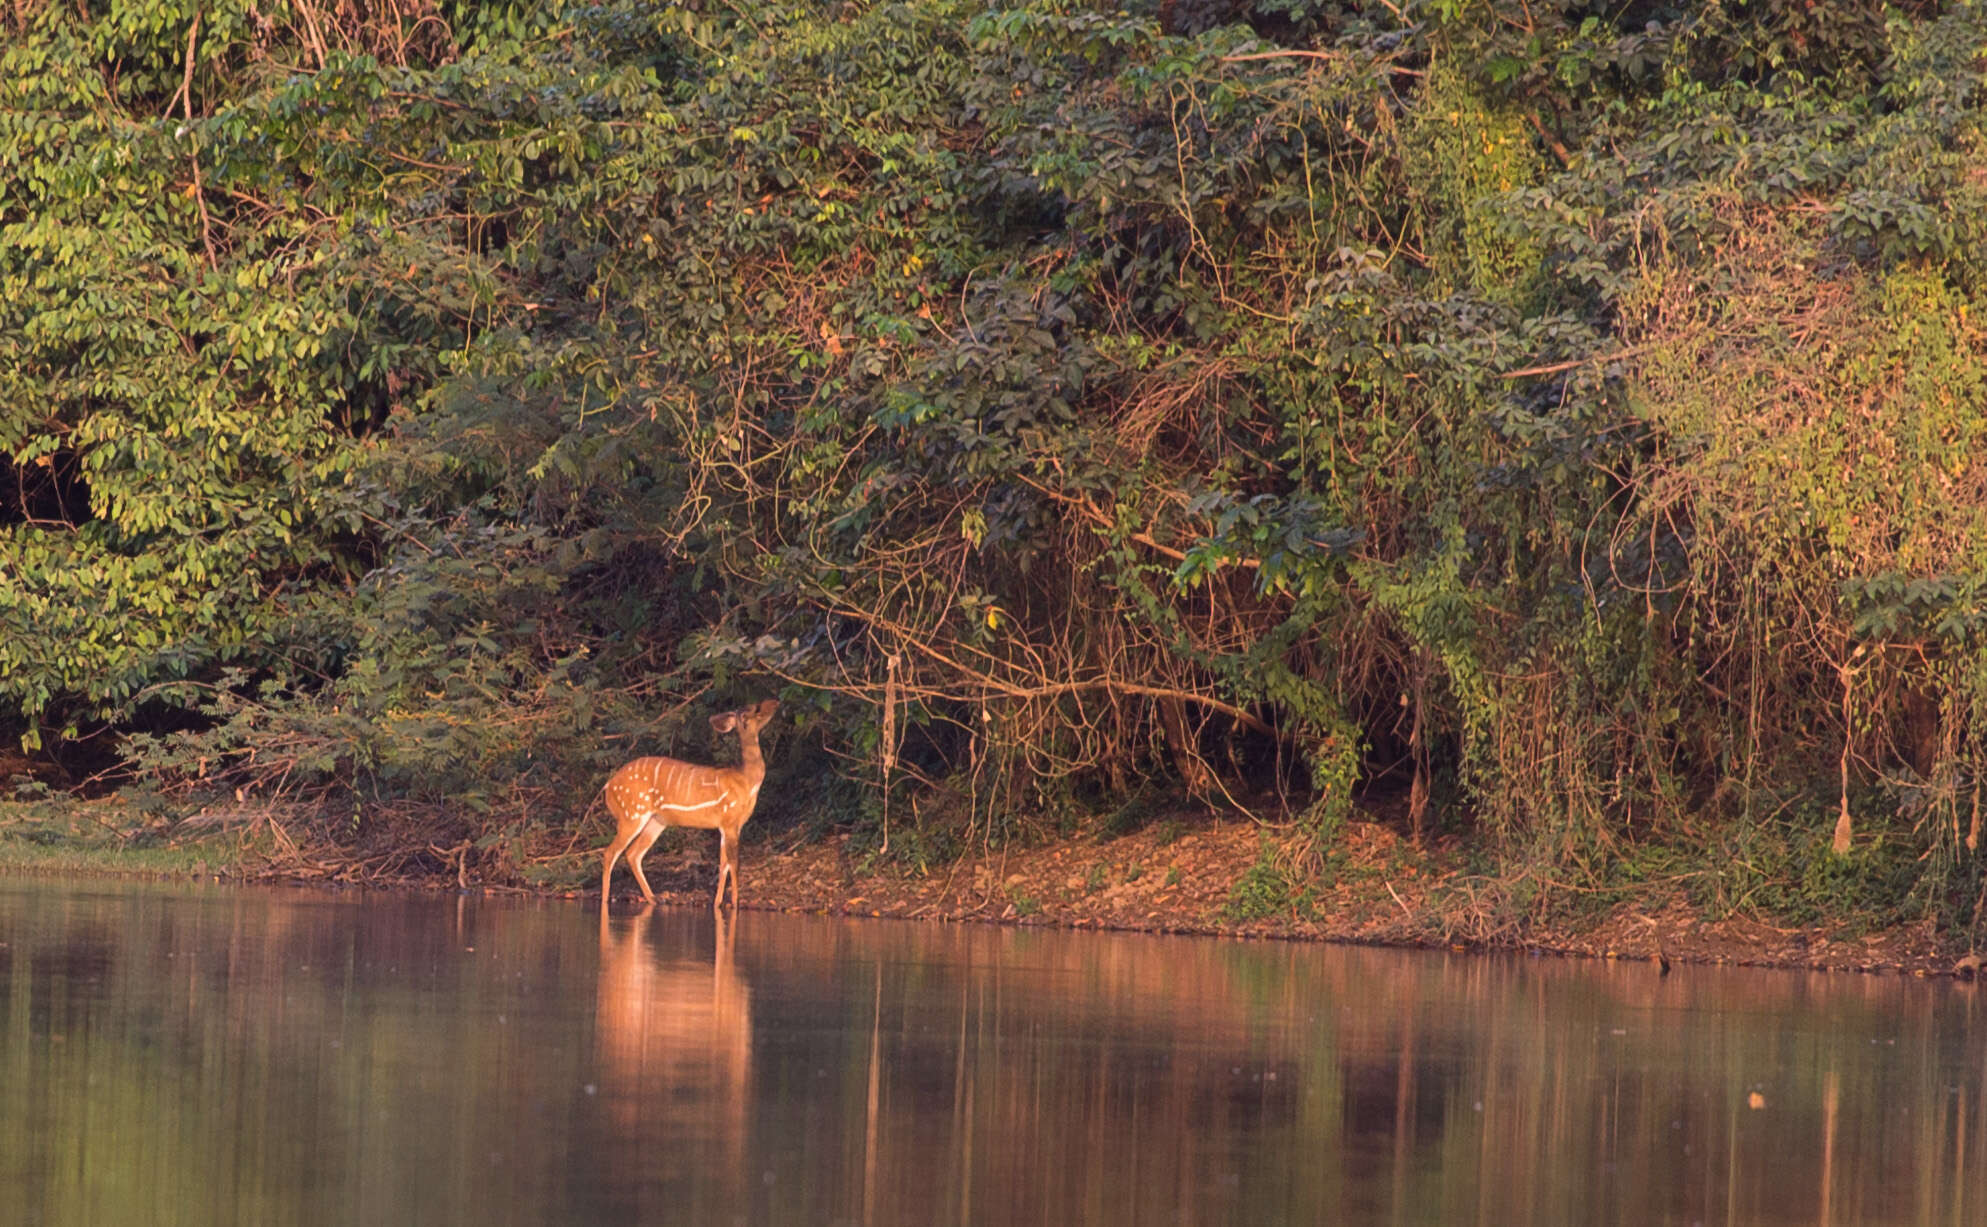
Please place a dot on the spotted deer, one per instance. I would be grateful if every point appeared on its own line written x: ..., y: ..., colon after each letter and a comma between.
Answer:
x: 649, y: 794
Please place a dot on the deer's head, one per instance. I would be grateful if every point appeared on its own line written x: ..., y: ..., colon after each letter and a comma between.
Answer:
x: 747, y: 720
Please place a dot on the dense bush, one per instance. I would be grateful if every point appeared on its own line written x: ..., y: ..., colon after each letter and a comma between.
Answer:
x: 1567, y: 412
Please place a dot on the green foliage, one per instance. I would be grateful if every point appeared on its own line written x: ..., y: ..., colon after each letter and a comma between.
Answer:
x: 913, y: 850
x: 1471, y: 155
x: 1784, y: 870
x: 1267, y: 888
x: 1575, y: 407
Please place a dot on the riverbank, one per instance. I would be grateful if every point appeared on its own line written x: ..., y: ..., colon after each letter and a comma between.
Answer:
x: 1188, y: 874
x: 1223, y: 878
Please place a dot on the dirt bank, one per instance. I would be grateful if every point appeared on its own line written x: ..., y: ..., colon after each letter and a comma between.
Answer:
x: 1378, y: 888
x: 1191, y: 874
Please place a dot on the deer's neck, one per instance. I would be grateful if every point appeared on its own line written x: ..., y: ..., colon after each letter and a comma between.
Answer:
x: 752, y: 764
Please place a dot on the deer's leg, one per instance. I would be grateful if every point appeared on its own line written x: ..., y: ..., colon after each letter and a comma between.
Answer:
x: 623, y: 836
x: 734, y: 871
x: 731, y: 845
x: 644, y: 840
x: 727, y: 869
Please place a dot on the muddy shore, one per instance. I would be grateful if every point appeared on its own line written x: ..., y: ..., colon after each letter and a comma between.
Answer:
x: 1228, y: 876
x: 1381, y: 890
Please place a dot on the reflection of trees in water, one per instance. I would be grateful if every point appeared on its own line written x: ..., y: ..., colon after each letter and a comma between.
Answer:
x: 1050, y: 1076
x: 258, y: 1057
x: 275, y: 1058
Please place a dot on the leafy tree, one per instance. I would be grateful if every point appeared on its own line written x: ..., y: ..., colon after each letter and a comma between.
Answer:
x: 1560, y: 413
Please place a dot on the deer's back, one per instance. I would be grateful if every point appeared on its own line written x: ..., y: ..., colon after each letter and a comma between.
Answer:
x: 668, y: 790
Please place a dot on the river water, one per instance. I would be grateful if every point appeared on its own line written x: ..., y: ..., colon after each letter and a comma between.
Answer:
x: 186, y: 1055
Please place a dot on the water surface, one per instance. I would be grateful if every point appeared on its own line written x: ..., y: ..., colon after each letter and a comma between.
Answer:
x: 181, y: 1055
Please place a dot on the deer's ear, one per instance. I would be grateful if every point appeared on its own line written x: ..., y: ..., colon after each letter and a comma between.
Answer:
x: 767, y: 707
x: 724, y: 722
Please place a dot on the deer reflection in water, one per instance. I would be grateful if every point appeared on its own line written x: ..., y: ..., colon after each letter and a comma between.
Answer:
x: 674, y: 1043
